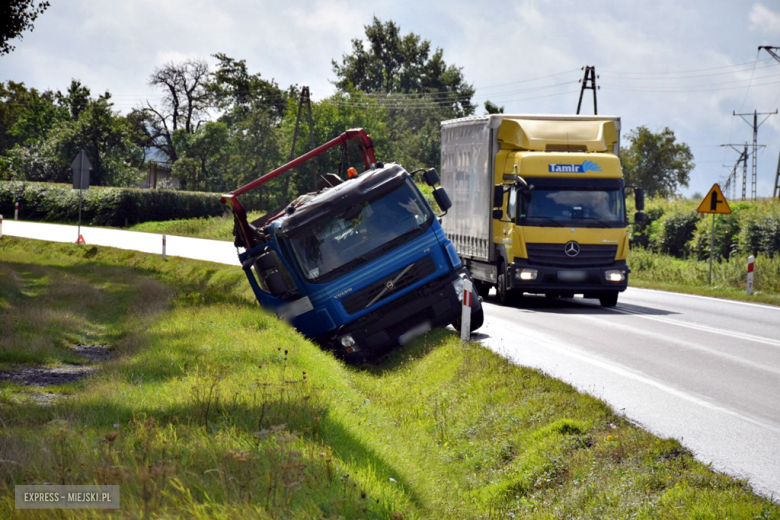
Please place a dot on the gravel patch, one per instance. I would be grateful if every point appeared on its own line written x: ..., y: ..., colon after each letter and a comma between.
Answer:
x: 64, y: 374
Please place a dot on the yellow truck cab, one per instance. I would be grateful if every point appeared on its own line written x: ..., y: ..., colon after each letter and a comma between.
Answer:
x: 538, y: 204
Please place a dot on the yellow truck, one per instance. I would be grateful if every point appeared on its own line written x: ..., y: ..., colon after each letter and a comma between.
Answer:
x: 538, y: 204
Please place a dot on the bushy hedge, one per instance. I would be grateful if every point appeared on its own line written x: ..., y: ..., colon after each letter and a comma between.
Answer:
x: 675, y: 228
x: 104, y: 206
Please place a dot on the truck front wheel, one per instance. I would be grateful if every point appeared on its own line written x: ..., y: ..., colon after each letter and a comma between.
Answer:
x: 609, y: 299
x: 482, y: 288
x: 506, y: 296
x: 477, y: 319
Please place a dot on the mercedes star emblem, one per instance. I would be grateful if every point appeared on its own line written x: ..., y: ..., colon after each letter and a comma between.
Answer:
x: 571, y: 248
x: 389, y: 285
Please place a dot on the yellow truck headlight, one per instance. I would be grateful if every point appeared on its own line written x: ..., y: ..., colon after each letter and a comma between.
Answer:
x: 615, y: 275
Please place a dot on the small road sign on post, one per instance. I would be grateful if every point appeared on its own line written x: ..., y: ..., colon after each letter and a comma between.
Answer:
x: 751, y: 266
x: 714, y: 203
x: 80, y: 167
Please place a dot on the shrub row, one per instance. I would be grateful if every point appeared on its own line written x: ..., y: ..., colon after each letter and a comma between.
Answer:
x: 675, y: 228
x: 104, y: 206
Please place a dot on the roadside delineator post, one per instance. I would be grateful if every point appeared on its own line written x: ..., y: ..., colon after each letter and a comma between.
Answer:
x: 165, y: 257
x: 1, y: 226
x: 751, y: 264
x: 465, y: 316
x: 16, y: 210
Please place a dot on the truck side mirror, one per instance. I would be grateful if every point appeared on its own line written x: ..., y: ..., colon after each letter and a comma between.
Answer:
x: 498, y: 196
x: 498, y: 214
x: 431, y: 177
x: 442, y: 199
x: 639, y: 198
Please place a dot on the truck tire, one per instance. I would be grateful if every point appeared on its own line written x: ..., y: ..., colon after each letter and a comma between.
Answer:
x: 506, y: 297
x: 609, y: 299
x: 482, y: 288
x: 477, y: 320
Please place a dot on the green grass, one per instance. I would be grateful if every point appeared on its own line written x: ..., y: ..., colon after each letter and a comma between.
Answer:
x: 215, y: 228
x: 212, y: 408
x: 657, y: 271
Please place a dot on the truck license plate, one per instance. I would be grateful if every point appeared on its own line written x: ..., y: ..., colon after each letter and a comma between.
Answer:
x: 418, y: 330
x: 571, y: 276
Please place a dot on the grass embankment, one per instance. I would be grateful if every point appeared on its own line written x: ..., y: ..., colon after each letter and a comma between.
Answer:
x: 211, y: 408
x: 214, y: 228
x: 657, y: 271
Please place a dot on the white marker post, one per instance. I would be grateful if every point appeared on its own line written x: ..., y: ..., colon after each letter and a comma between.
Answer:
x: 751, y: 263
x: 16, y: 210
x: 165, y: 257
x: 465, y: 315
x: 1, y: 226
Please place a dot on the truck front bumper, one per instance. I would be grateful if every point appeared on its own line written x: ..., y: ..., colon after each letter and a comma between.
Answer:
x: 534, y: 278
x: 435, y: 304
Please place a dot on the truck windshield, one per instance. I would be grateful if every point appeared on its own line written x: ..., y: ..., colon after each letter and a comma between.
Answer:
x: 361, y: 232
x: 601, y: 207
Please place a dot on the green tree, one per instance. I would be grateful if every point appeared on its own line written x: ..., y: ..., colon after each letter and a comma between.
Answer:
x: 17, y: 16
x: 395, y: 63
x: 656, y: 161
x: 236, y: 92
x: 206, y: 151
x: 492, y: 108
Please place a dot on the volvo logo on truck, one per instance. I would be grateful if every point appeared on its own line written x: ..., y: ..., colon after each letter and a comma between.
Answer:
x: 586, y: 166
x: 571, y: 248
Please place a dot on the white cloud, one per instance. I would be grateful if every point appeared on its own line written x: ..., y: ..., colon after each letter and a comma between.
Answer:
x: 764, y: 19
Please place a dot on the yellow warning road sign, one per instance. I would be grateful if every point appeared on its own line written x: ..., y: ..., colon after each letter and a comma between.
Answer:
x: 715, y: 202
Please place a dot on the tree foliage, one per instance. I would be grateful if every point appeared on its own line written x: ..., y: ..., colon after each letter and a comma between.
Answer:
x: 17, y: 16
x: 389, y: 62
x: 657, y: 162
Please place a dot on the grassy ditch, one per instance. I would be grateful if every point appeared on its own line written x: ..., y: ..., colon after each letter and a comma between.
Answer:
x: 209, y: 407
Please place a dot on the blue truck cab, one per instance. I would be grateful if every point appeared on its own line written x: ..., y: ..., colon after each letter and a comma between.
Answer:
x: 361, y: 266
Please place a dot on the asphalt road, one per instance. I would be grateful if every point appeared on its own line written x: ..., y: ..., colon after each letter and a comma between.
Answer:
x: 701, y: 370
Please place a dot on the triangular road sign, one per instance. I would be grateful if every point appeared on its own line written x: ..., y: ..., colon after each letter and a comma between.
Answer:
x: 80, y: 240
x: 715, y: 202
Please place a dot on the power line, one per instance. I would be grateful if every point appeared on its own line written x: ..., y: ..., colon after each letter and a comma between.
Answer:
x: 684, y: 71
x: 682, y: 90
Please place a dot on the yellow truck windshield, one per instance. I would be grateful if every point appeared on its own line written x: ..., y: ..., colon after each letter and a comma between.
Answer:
x: 573, y: 207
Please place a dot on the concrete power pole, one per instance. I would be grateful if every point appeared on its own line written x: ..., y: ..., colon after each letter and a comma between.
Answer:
x: 743, y: 155
x: 589, y: 82
x: 773, y: 52
x: 755, y: 124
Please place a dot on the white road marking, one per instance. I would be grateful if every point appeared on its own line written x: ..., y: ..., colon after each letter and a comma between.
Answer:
x: 702, y: 328
x: 711, y: 298
x: 625, y: 372
x: 681, y: 343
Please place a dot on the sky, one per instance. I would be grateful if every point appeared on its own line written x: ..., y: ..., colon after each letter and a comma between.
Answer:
x: 683, y: 65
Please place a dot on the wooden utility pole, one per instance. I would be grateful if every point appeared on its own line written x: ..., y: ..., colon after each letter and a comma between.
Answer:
x: 304, y: 99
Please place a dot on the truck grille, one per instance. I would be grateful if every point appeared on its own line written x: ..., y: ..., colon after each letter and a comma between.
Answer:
x: 378, y: 291
x: 590, y: 255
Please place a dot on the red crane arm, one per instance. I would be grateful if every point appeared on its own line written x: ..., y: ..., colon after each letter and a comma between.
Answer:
x: 239, y: 214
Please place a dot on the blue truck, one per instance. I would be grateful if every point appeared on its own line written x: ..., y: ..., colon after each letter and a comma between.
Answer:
x: 362, y: 264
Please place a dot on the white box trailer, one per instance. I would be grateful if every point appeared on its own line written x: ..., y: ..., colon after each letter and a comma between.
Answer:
x: 468, y: 150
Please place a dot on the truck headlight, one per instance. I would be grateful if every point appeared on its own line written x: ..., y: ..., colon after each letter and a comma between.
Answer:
x: 615, y: 275
x: 526, y: 274
x: 458, y: 284
x: 347, y: 341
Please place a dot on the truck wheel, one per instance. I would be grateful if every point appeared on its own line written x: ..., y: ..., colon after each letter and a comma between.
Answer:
x: 506, y: 296
x: 609, y: 299
x: 477, y: 319
x: 482, y: 288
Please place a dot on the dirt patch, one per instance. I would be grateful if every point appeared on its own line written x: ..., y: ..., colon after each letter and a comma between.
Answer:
x: 95, y: 353
x: 61, y: 375
x: 36, y: 376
